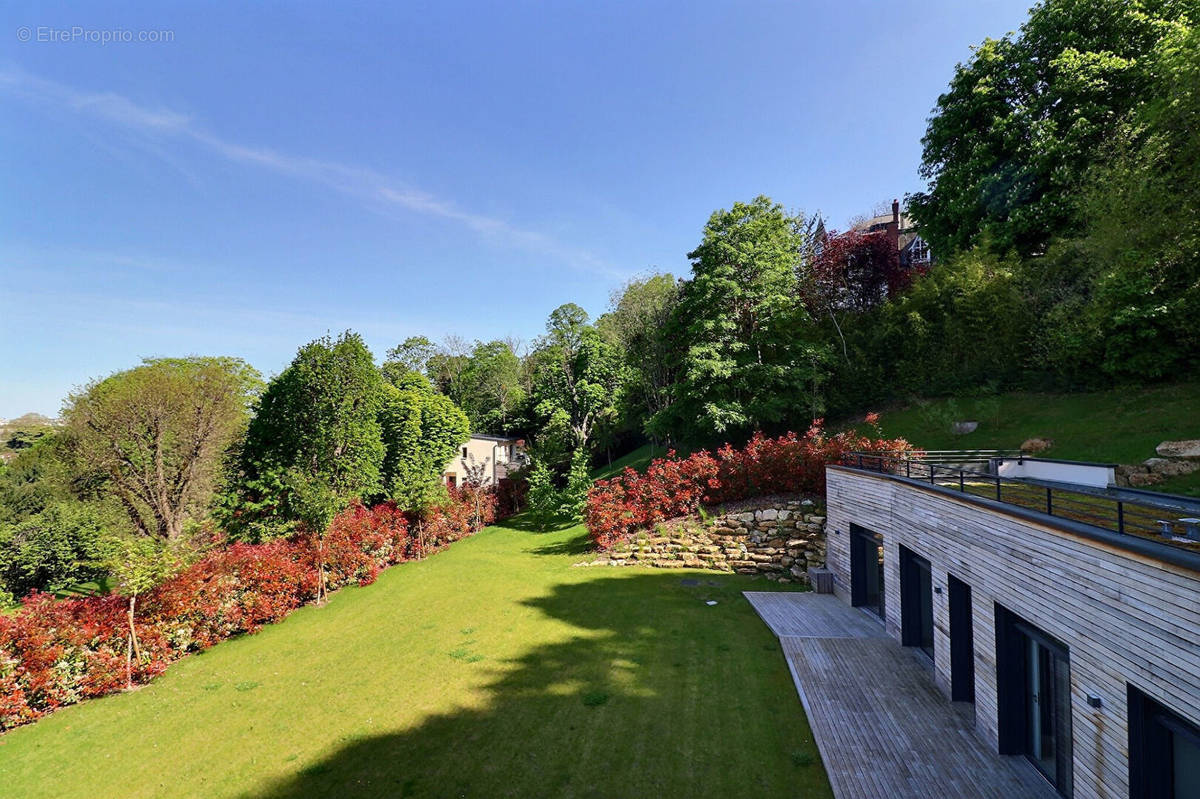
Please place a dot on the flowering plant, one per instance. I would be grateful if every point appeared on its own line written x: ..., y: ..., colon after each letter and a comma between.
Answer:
x: 673, y: 486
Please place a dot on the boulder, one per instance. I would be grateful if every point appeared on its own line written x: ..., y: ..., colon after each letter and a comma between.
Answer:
x: 1145, y: 479
x: 1037, y: 444
x: 1170, y: 468
x: 1188, y: 449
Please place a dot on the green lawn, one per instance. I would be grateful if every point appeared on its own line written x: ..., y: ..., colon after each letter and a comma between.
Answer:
x: 492, y: 669
x: 1120, y: 425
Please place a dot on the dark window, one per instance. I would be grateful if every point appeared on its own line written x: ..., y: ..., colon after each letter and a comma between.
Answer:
x: 452, y: 480
x: 916, y: 601
x: 1164, y: 751
x: 866, y: 569
x: 1034, y: 691
x: 464, y: 452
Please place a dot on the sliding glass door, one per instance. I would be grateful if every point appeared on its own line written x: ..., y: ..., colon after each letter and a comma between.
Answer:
x: 1164, y: 751
x: 1034, y: 682
x: 1048, y: 710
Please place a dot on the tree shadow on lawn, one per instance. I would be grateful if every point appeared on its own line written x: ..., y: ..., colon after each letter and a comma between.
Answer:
x: 655, y: 693
x: 527, y: 523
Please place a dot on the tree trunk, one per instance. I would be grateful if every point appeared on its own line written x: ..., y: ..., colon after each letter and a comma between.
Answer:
x: 132, y: 648
x: 321, y: 585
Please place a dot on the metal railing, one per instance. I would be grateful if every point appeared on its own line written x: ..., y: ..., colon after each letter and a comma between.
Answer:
x: 953, y: 456
x: 1143, y: 519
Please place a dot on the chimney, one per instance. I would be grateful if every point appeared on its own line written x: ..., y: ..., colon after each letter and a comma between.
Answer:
x: 893, y: 228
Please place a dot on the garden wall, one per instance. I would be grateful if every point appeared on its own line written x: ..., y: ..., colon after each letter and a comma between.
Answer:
x: 780, y: 538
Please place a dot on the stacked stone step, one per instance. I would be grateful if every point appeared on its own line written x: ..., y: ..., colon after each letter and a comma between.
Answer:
x: 780, y: 541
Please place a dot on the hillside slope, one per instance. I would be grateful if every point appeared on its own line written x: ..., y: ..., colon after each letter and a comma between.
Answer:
x: 1120, y: 425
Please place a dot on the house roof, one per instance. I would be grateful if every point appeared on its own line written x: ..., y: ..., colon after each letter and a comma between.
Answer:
x: 906, y: 222
x: 483, y: 437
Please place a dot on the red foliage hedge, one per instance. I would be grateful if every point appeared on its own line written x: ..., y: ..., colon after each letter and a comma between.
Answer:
x: 673, y: 486
x: 57, y: 652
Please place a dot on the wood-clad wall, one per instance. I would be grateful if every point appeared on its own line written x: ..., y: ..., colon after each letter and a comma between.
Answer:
x: 1126, y: 618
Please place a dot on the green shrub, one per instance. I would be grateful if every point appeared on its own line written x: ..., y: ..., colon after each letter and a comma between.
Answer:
x: 62, y: 544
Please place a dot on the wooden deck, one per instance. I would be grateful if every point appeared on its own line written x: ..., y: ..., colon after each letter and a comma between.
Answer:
x: 882, y: 726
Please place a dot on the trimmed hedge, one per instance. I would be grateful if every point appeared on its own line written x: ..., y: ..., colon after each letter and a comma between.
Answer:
x: 673, y: 486
x: 58, y: 652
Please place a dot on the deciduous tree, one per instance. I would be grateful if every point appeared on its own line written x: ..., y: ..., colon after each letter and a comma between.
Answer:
x: 316, y: 434
x: 748, y: 351
x: 159, y: 431
x: 1027, y: 115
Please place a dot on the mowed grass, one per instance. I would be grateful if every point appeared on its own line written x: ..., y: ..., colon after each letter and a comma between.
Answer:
x: 639, y: 459
x: 1121, y: 425
x: 492, y: 669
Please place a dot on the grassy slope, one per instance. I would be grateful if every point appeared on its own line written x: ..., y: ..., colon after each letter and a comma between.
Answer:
x: 1118, y: 426
x: 638, y: 459
x: 492, y: 669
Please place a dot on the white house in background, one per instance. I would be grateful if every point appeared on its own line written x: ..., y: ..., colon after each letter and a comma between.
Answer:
x: 497, y: 455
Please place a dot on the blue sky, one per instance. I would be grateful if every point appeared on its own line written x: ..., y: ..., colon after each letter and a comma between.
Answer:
x: 276, y: 171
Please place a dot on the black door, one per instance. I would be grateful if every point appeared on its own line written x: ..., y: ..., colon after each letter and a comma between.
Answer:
x: 916, y: 601
x: 1034, y: 674
x: 962, y: 642
x: 866, y: 569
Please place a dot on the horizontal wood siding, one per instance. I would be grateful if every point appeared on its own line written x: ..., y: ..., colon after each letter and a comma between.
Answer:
x: 1124, y: 617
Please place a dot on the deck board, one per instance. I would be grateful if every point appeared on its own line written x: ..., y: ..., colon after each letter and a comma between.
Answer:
x: 882, y: 726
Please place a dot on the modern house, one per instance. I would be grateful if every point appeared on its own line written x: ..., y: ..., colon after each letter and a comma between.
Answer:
x: 493, y: 457
x: 1062, y: 612
x: 902, y: 231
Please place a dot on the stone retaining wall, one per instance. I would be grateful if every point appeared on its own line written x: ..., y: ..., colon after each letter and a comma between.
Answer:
x: 778, y: 538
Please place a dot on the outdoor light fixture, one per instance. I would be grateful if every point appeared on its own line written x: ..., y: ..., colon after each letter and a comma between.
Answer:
x: 937, y: 589
x: 1094, y: 700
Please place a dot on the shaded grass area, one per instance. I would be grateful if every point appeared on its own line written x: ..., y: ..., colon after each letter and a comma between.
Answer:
x: 99, y: 587
x: 639, y: 459
x: 492, y: 669
x: 1120, y: 425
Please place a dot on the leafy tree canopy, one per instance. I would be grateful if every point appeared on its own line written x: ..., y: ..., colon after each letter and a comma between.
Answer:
x: 316, y: 434
x: 748, y: 357
x: 158, y: 432
x: 1009, y: 142
x: 577, y: 383
x: 422, y: 431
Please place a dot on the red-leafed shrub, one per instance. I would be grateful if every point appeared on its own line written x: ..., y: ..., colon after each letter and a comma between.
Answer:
x: 672, y: 486
x: 57, y: 652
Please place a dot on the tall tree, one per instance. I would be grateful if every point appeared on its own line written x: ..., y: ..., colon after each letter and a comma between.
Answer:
x: 577, y: 381
x: 636, y: 323
x: 1024, y: 118
x: 158, y: 431
x: 422, y: 431
x: 1143, y: 238
x: 490, y: 388
x: 748, y: 356
x: 315, y: 442
x: 411, y: 355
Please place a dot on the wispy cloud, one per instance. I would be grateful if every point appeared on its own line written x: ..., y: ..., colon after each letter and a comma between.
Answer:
x: 376, y: 191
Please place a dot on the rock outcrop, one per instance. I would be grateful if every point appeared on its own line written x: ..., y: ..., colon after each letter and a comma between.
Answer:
x: 1185, y: 450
